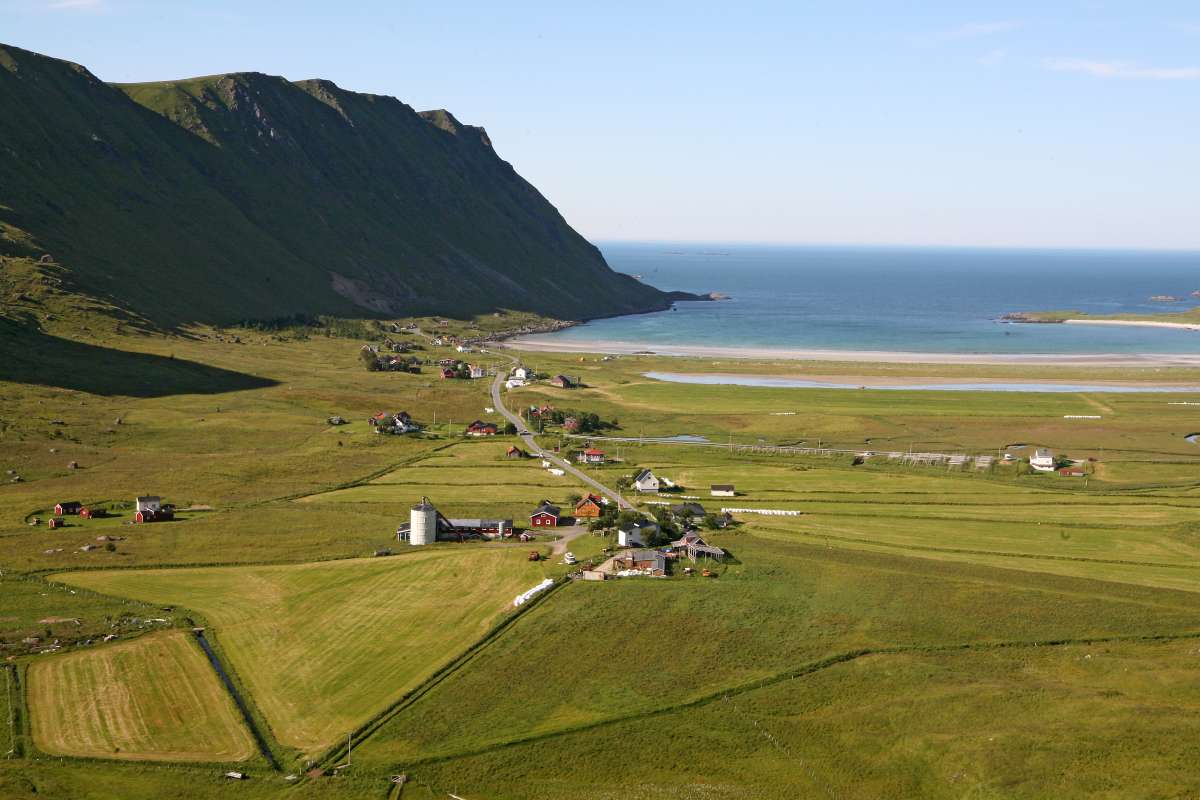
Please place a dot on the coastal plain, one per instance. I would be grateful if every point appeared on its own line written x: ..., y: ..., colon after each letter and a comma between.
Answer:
x: 916, y: 629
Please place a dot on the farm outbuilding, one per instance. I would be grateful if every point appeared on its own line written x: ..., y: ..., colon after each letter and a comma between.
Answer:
x: 71, y: 507
x: 55, y: 522
x: 722, y: 490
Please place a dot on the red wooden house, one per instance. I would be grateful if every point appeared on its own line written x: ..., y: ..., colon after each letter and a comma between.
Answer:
x: 72, y: 507
x: 55, y: 522
x: 544, y: 516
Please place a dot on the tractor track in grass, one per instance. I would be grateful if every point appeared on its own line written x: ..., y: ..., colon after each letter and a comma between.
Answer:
x: 801, y: 671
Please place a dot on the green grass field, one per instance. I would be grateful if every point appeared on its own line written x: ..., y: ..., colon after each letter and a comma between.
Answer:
x: 153, y: 698
x: 940, y: 581
x: 322, y: 647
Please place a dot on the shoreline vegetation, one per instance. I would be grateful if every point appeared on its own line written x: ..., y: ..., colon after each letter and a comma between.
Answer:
x: 1183, y: 320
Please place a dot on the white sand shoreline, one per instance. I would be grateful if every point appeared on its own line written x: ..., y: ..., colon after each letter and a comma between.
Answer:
x: 539, y: 344
x: 1135, y: 323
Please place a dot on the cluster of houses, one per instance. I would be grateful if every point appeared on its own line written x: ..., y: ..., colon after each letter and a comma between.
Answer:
x: 149, y: 508
x: 397, y: 423
x: 450, y: 368
x: 394, y: 363
x: 521, y: 376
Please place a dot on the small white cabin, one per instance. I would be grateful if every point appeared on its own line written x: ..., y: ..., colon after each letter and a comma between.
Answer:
x: 521, y: 374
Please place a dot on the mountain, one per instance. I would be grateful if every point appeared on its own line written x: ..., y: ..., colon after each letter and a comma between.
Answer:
x: 248, y: 196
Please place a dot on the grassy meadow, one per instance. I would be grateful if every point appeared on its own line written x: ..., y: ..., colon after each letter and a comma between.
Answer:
x: 916, y: 631
x: 152, y: 698
x: 323, y: 646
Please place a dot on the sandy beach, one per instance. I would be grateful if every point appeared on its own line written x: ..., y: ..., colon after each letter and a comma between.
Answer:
x: 1135, y: 323
x: 536, y: 343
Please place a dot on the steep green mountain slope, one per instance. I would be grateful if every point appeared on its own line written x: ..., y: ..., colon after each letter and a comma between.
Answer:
x: 247, y: 196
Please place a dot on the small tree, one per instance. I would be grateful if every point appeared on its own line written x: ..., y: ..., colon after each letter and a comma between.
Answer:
x: 369, y: 359
x: 510, y: 429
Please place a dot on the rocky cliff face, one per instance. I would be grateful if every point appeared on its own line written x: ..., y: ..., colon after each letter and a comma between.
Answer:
x: 247, y: 196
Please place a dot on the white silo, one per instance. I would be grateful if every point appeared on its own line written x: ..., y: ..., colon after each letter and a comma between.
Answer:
x: 422, y: 523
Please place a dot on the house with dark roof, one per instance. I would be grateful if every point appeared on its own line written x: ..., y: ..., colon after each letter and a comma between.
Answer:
x: 545, y: 516
x: 646, y: 481
x: 637, y: 533
x: 650, y: 561
x: 722, y: 490
x: 481, y: 428
x: 689, y: 510
x: 562, y: 382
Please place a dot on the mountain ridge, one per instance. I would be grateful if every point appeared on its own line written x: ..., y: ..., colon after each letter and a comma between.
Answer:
x: 249, y: 196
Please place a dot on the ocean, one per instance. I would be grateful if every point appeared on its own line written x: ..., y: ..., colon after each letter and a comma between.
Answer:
x: 920, y: 300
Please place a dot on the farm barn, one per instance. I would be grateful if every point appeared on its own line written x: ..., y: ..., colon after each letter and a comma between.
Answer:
x: 72, y: 507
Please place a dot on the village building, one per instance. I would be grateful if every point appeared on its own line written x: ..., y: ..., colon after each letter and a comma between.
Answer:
x: 427, y: 525
x: 513, y: 383
x: 448, y: 372
x: 590, y: 456
x: 520, y: 374
x: 646, y: 481
x: 480, y: 428
x: 650, y: 561
x: 688, y: 510
x: 515, y: 452
x: 636, y: 533
x: 562, y: 382
x: 722, y: 490
x: 1042, y: 460
x: 70, y: 507
x: 1072, y: 472
x: 545, y: 516
x: 476, y: 371
x: 148, y: 503
x: 693, y: 546
x: 589, y: 507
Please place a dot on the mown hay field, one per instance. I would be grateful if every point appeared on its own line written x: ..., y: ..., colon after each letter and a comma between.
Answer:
x: 322, y: 647
x: 644, y: 645
x: 1107, y: 720
x: 154, y: 697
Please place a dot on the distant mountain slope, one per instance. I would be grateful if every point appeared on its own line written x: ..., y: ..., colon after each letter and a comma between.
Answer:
x: 247, y: 196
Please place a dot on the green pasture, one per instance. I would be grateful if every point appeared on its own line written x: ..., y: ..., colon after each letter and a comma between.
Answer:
x: 322, y: 647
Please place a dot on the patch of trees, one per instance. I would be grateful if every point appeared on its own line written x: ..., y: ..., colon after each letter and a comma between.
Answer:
x: 577, y: 421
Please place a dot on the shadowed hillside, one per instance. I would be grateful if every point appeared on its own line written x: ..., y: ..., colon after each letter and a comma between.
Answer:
x: 247, y: 196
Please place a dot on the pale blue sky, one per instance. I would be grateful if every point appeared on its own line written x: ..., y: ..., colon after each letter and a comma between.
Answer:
x: 960, y: 123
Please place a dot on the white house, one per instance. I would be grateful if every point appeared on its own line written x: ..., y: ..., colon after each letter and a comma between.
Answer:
x: 513, y: 383
x: 1042, y: 460
x: 722, y: 490
x: 521, y: 374
x: 635, y: 534
x: 645, y: 481
x: 463, y: 349
x: 477, y: 372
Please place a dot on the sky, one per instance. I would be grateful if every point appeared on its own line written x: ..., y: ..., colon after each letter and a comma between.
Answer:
x: 1018, y: 124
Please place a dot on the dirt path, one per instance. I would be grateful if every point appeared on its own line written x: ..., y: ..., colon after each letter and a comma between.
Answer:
x: 568, y: 535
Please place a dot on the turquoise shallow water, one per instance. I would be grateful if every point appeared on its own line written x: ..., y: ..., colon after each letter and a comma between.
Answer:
x: 902, y: 299
x: 708, y: 379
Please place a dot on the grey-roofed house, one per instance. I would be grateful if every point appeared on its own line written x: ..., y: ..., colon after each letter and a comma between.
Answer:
x: 645, y: 481
x: 636, y: 533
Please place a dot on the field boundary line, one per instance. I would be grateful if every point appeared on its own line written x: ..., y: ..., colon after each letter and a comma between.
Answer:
x: 368, y: 728
x: 214, y: 661
x: 799, y: 672
x: 12, y: 687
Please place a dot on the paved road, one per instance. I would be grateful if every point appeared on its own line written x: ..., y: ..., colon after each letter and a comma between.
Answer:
x: 537, y: 451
